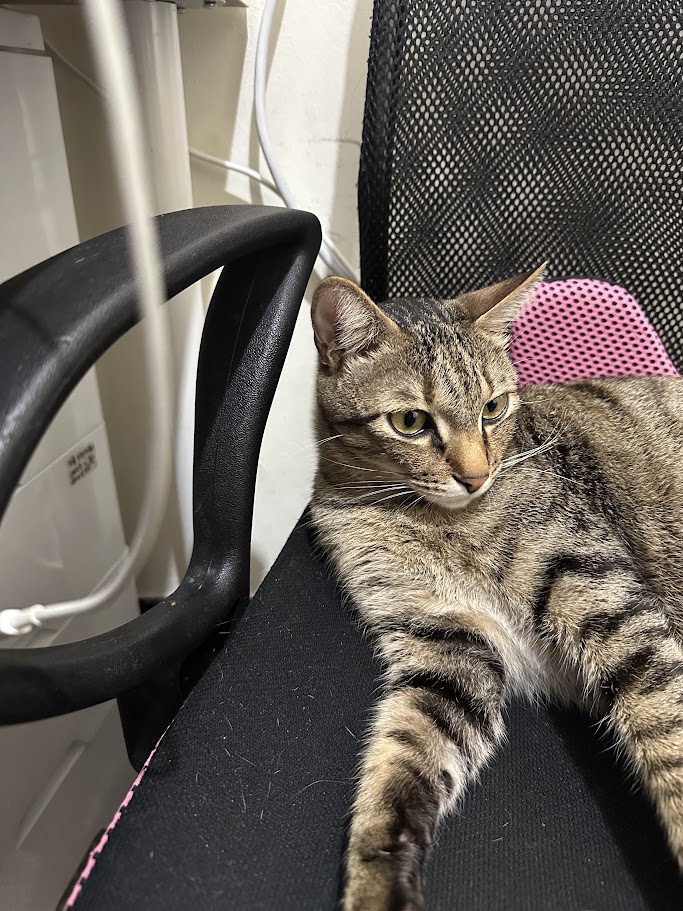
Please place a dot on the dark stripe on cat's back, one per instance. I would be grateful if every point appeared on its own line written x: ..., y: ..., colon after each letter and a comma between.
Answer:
x: 575, y: 456
x: 578, y: 460
x: 597, y: 391
x: 605, y: 498
x: 622, y: 407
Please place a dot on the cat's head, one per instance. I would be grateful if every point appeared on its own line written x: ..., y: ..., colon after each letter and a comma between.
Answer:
x: 420, y: 392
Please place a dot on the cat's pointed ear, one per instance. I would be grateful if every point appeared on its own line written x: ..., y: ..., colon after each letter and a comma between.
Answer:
x: 494, y: 309
x: 346, y: 321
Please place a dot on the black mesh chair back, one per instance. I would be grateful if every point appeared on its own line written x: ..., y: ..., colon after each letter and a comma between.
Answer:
x: 498, y: 135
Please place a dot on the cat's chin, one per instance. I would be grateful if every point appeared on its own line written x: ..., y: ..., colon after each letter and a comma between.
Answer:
x: 451, y: 503
x: 457, y: 499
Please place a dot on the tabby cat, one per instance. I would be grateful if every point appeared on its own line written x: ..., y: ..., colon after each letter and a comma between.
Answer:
x: 493, y: 543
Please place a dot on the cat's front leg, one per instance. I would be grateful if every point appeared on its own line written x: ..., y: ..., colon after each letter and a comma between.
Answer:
x: 438, y: 723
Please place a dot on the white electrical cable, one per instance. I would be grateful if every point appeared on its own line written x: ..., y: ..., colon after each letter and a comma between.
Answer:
x: 233, y: 166
x: 72, y: 66
x: 328, y: 253
x: 108, y: 36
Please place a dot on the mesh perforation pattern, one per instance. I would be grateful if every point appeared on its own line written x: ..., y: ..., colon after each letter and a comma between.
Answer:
x: 582, y: 328
x: 498, y: 135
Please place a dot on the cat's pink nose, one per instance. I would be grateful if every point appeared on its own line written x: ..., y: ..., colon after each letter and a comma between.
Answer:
x: 473, y: 484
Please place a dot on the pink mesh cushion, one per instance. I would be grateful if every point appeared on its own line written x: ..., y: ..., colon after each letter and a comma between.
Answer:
x: 582, y: 328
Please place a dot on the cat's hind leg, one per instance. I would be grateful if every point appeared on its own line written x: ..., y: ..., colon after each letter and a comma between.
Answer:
x: 621, y: 642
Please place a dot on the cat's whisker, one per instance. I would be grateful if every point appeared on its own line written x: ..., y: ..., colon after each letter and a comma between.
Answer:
x: 545, y: 471
x: 336, y: 436
x: 291, y: 455
x: 378, y: 489
x: 370, y: 493
x: 374, y: 493
x: 360, y: 485
x: 538, y: 449
x: 361, y: 482
x: 530, y: 453
x: 401, y: 493
x: 358, y: 467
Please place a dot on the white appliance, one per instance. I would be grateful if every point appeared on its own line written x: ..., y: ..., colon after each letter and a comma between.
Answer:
x: 61, y: 779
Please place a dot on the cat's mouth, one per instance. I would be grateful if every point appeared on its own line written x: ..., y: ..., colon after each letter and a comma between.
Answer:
x: 455, y: 495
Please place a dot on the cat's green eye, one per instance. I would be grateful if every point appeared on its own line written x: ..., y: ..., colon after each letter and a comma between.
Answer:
x: 495, y: 408
x: 409, y: 423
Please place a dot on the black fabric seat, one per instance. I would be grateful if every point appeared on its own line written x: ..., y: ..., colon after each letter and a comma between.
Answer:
x: 244, y: 804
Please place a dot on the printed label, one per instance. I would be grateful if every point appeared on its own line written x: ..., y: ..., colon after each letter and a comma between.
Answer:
x: 82, y: 463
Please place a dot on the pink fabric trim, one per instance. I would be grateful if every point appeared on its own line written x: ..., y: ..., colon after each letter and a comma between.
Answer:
x: 581, y: 328
x: 97, y: 850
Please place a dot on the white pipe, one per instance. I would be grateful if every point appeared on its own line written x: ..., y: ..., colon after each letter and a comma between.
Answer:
x: 155, y: 47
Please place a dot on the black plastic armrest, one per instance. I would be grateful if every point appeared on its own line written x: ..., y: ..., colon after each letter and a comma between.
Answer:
x: 55, y: 321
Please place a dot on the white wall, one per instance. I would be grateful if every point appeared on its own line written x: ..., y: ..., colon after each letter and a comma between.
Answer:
x: 315, y: 102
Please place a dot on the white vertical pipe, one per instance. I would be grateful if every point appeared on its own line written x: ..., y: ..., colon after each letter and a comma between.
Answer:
x: 155, y: 46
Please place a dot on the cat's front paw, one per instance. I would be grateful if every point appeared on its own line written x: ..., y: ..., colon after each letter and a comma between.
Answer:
x: 384, y: 875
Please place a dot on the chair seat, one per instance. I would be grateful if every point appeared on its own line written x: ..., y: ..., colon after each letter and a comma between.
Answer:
x: 245, y: 801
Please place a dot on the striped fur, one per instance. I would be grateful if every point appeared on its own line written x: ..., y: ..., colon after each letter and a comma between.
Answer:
x: 560, y: 578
